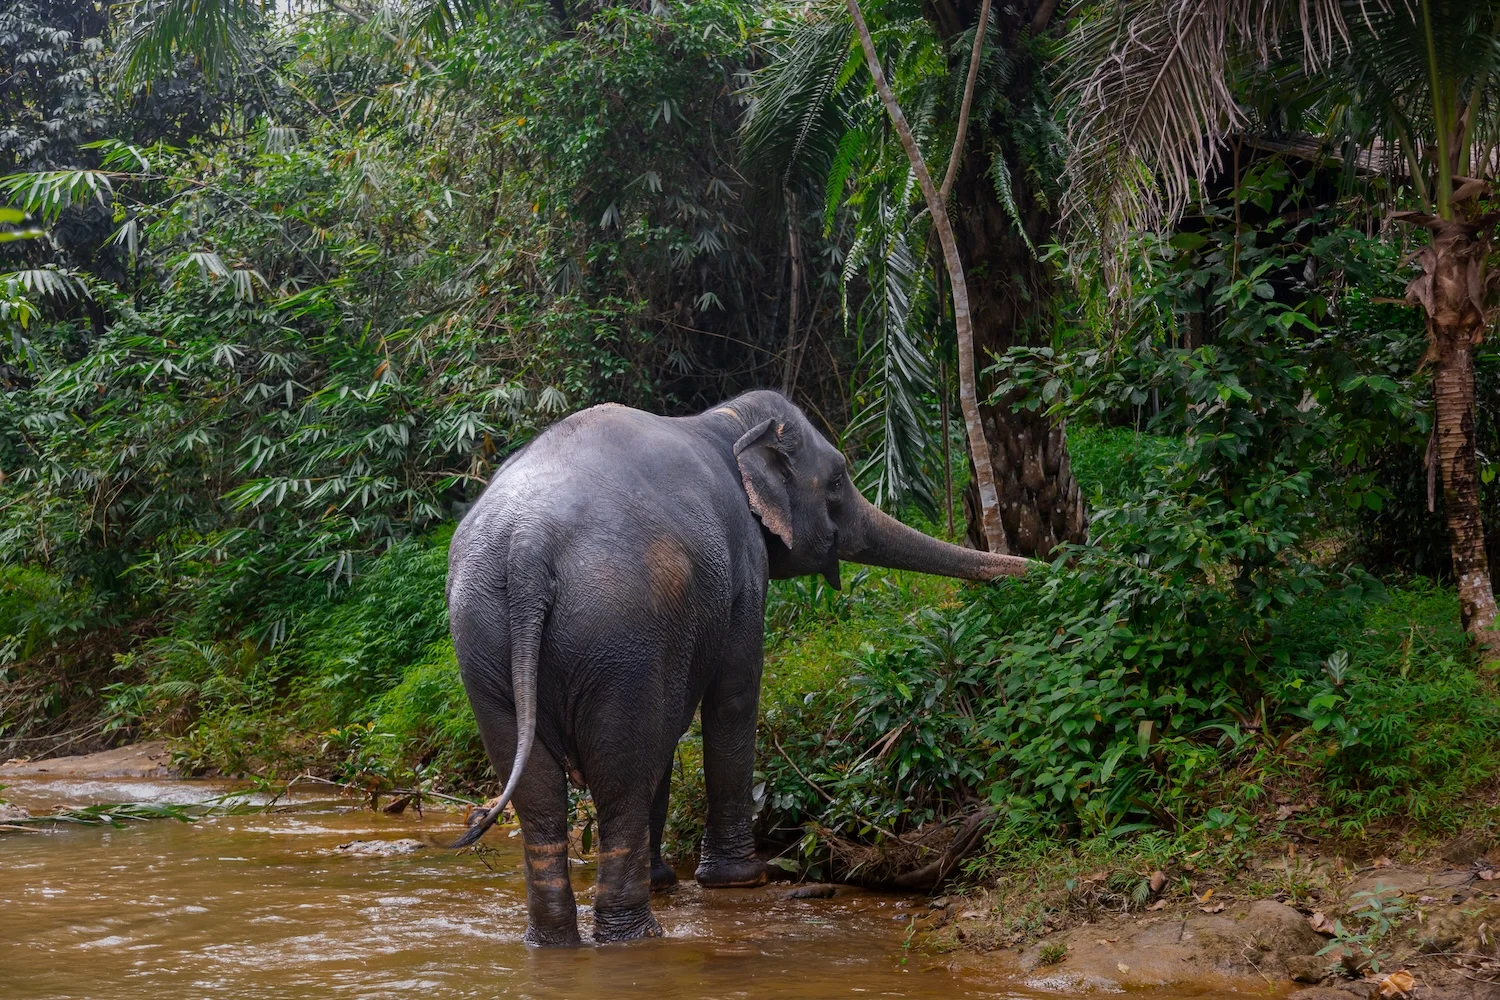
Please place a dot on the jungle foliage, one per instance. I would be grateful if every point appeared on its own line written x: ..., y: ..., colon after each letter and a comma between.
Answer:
x: 268, y: 331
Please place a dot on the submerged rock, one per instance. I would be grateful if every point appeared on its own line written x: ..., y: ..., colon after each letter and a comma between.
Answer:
x: 814, y: 891
x: 381, y: 848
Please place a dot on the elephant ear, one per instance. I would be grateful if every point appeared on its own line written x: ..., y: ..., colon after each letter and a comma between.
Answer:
x: 762, y: 458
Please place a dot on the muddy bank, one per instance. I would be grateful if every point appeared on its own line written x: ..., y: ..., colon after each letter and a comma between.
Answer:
x: 140, y: 760
x: 1429, y: 930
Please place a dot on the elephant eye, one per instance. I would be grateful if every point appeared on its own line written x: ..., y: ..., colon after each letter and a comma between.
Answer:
x: 836, y: 482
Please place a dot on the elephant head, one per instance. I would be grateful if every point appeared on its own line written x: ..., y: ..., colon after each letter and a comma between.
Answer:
x: 798, y: 484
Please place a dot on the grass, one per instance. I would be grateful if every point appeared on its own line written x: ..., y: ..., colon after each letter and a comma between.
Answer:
x: 812, y: 630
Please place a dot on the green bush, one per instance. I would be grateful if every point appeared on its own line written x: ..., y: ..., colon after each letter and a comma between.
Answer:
x: 1402, y: 724
x: 1110, y: 463
x: 357, y: 647
x: 424, y: 727
x: 1195, y: 650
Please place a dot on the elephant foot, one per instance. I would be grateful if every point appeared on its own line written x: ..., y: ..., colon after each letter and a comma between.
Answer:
x: 631, y: 925
x: 552, y: 937
x: 746, y: 874
x: 663, y: 878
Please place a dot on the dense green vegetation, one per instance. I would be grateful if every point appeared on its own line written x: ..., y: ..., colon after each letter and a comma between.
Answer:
x: 268, y: 331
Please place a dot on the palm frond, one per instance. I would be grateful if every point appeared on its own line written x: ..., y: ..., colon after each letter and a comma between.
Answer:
x: 793, y: 117
x: 43, y: 282
x: 440, y: 18
x: 892, y: 414
x: 216, y: 34
x: 1148, y: 83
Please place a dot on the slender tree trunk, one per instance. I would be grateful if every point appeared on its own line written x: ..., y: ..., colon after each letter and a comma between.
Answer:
x: 947, y: 455
x: 793, y: 344
x: 1451, y: 291
x: 960, y: 139
x: 1040, y: 502
x: 968, y: 397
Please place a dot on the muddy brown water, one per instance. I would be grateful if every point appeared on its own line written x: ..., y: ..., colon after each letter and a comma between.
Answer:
x: 264, y: 905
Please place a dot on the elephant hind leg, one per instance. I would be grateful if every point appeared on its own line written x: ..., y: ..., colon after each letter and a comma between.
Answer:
x: 663, y: 877
x: 622, y: 759
x: 551, y: 911
x: 622, y: 899
x: 541, y: 802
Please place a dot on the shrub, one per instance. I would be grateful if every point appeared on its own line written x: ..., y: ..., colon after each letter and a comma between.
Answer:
x: 424, y: 727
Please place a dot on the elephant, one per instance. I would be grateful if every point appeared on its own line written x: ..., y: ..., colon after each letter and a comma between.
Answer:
x: 609, y: 581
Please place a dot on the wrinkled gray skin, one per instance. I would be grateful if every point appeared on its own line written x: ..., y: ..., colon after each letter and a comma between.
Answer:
x: 611, y: 580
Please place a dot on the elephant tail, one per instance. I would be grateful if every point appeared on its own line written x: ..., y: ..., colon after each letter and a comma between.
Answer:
x: 527, y: 583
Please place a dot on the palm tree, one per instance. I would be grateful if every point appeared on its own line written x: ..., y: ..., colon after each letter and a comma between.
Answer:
x: 997, y: 197
x: 1405, y: 87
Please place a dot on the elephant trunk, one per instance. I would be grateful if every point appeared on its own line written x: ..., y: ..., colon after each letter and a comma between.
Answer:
x: 880, y: 540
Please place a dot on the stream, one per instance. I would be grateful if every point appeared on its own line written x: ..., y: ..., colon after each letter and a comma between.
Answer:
x: 264, y: 904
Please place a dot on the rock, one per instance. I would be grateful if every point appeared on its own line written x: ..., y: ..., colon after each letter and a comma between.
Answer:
x: 1342, y: 991
x: 1158, y: 881
x: 396, y: 806
x: 815, y: 891
x: 9, y: 813
x: 141, y: 760
x: 381, y: 848
x: 1255, y: 939
x: 1465, y: 849
x: 1390, y: 883
x: 1468, y: 929
x: 1308, y: 968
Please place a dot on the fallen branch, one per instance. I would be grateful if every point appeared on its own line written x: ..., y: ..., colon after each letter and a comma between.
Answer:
x: 363, y: 790
x: 930, y: 875
x: 793, y: 763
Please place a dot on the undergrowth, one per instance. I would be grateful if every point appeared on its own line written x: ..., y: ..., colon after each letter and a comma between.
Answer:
x: 1130, y: 702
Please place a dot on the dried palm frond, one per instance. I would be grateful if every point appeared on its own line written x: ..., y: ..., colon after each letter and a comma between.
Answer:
x: 1148, y: 83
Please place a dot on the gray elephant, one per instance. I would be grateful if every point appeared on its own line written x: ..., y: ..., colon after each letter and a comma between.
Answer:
x: 610, y: 580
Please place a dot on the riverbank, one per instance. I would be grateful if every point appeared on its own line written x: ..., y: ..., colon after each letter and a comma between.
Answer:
x: 1322, y: 928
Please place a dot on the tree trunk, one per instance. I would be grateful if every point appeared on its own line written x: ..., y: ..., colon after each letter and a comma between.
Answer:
x: 1011, y: 292
x: 1451, y: 291
x: 986, y: 507
x: 793, y: 359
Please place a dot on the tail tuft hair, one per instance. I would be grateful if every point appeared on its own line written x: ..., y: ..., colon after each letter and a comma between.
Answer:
x: 473, y: 833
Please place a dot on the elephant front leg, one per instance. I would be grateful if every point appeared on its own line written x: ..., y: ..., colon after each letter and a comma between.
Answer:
x: 728, y: 858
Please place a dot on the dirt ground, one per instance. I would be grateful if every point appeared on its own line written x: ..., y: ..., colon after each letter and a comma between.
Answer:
x: 1440, y: 940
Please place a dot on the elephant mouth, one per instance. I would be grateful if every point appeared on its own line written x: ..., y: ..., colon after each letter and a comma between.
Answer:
x: 831, y: 566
